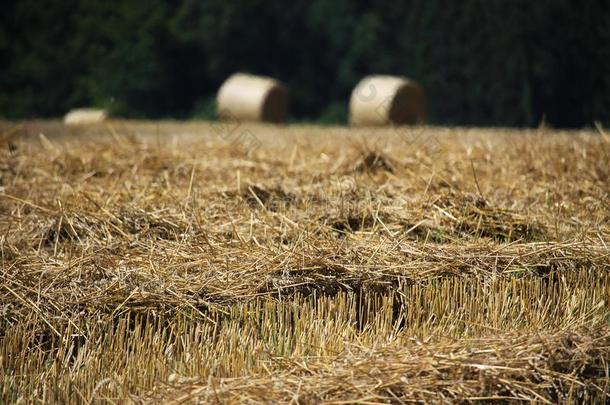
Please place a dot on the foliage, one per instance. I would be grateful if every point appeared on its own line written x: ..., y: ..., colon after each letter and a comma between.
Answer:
x: 481, y: 62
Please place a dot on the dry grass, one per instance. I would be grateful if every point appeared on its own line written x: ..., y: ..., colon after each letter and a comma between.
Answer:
x: 159, y: 262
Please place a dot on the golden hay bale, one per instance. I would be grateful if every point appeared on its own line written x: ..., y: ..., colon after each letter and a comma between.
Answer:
x: 383, y: 100
x: 252, y: 98
x: 81, y: 116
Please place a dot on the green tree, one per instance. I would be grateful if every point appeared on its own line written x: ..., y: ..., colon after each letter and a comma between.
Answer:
x: 481, y: 62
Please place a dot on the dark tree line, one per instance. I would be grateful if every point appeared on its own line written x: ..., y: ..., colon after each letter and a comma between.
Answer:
x: 485, y: 62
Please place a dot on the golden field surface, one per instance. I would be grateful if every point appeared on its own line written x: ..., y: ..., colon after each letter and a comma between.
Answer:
x: 168, y: 262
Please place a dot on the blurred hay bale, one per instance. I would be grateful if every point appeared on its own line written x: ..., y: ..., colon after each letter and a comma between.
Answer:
x: 82, y: 116
x: 384, y: 100
x: 252, y: 98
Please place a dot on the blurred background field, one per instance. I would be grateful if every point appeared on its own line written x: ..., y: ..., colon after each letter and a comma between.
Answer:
x: 507, y: 63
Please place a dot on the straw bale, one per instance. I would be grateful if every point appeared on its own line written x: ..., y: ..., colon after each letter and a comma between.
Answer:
x: 81, y: 116
x: 384, y: 100
x: 246, y: 97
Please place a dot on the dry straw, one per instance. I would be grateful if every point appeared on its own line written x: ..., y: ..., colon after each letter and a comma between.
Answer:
x: 151, y: 264
x: 246, y: 97
x: 81, y: 116
x: 384, y: 100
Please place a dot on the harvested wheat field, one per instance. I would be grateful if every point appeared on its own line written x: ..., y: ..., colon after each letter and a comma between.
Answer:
x: 236, y: 263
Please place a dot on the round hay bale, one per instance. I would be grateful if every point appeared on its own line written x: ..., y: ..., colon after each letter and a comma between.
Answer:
x: 384, y: 100
x: 82, y: 116
x: 252, y: 98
